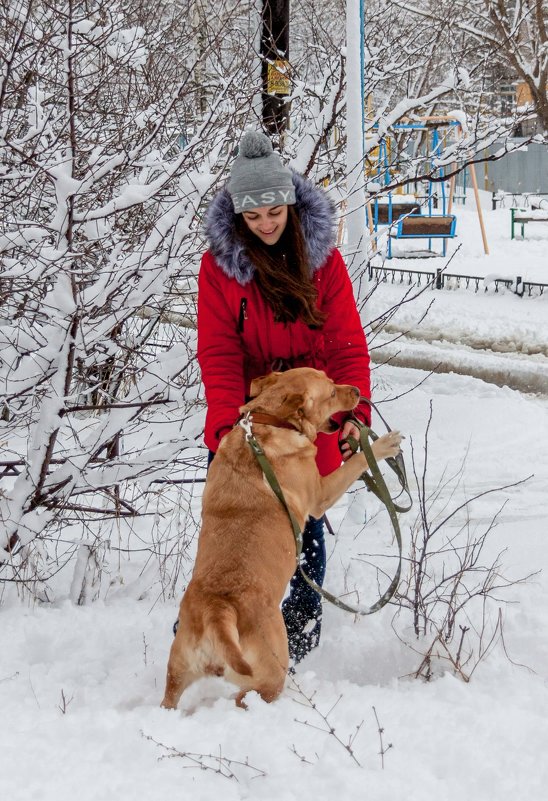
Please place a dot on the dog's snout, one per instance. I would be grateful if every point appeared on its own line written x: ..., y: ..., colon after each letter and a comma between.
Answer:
x: 348, y: 396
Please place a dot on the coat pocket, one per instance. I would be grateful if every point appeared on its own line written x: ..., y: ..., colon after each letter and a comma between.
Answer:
x: 242, y: 315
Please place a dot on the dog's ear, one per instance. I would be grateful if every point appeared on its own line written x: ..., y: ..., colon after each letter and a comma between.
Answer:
x: 258, y: 384
x: 292, y: 405
x: 298, y: 406
x: 298, y: 403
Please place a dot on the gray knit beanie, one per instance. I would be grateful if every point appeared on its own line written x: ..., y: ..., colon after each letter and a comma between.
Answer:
x: 258, y: 177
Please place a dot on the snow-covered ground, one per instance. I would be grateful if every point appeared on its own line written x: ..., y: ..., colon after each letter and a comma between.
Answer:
x: 80, y: 686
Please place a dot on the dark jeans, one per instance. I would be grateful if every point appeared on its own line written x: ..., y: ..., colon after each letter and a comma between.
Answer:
x: 302, y: 609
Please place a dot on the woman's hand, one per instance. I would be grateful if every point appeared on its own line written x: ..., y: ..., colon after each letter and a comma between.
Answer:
x: 352, y: 430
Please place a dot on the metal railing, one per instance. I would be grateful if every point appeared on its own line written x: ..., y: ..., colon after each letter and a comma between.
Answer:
x: 438, y: 279
x: 517, y: 199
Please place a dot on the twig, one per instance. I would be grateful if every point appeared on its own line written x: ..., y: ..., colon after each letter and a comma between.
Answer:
x: 328, y: 727
x: 106, y: 407
x: 10, y: 678
x: 463, y: 630
x: 380, y: 730
x: 64, y: 705
x: 223, y: 766
x: 300, y: 757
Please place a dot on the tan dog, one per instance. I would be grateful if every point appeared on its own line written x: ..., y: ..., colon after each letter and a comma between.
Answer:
x: 230, y: 622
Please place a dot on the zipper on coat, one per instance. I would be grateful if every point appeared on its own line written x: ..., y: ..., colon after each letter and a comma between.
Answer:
x: 243, y: 315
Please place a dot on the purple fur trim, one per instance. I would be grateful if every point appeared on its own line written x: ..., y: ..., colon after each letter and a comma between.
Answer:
x: 317, y: 215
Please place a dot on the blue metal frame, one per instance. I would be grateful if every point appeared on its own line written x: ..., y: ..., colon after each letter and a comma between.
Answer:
x: 400, y: 235
x: 463, y: 186
x: 384, y: 180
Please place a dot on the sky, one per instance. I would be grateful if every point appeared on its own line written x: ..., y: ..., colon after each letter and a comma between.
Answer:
x: 80, y: 686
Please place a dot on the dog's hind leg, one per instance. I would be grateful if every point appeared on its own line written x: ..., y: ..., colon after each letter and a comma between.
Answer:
x: 178, y: 678
x: 268, y: 654
x: 268, y: 692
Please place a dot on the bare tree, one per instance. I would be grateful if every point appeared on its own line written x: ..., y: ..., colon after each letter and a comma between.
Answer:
x: 105, y: 171
x: 493, y: 37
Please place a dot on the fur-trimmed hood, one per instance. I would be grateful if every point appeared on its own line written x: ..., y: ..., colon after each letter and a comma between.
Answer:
x: 317, y: 215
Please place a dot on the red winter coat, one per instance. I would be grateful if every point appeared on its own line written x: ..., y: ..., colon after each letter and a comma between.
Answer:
x: 238, y: 338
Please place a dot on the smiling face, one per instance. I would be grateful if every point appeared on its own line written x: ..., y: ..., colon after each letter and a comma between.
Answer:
x: 267, y: 222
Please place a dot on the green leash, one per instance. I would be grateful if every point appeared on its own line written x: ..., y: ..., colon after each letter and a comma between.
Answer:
x: 375, y: 482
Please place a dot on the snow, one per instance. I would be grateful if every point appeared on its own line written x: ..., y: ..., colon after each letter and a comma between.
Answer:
x: 538, y: 202
x: 396, y: 200
x: 533, y: 214
x: 80, y: 686
x: 460, y: 117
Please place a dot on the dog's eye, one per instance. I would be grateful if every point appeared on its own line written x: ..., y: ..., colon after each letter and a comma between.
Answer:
x: 333, y: 393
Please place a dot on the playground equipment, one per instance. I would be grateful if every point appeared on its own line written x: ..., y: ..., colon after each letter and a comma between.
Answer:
x: 414, y: 215
x: 461, y: 185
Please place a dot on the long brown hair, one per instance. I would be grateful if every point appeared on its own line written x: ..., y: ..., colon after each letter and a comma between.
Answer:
x: 283, y: 273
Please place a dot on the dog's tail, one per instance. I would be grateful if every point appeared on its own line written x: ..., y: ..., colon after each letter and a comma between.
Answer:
x: 220, y: 627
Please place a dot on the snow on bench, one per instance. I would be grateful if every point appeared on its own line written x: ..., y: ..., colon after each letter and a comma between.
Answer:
x: 522, y: 216
x: 530, y: 215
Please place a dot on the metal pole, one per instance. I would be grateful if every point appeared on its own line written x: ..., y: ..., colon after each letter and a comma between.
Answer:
x: 357, y: 234
x: 276, y: 79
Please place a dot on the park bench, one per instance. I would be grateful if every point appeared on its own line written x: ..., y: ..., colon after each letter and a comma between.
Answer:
x: 537, y: 213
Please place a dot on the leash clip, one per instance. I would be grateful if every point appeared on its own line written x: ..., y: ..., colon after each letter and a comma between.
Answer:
x: 245, y: 423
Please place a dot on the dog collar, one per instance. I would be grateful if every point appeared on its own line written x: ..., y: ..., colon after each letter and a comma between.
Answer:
x: 264, y: 419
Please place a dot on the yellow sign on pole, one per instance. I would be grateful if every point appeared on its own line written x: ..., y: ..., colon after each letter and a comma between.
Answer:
x: 278, y: 82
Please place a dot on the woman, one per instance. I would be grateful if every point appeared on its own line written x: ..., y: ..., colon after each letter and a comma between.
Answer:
x: 274, y: 293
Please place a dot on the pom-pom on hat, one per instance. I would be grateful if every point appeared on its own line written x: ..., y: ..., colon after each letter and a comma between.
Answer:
x: 258, y: 177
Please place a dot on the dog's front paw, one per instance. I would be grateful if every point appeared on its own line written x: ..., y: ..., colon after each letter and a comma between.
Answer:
x: 387, y: 446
